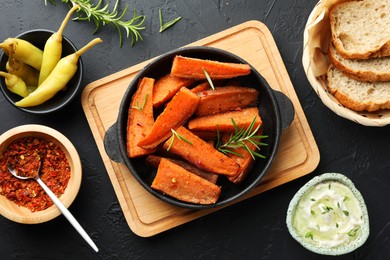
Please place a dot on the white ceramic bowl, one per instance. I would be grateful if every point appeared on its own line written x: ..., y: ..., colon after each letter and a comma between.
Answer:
x: 21, y: 214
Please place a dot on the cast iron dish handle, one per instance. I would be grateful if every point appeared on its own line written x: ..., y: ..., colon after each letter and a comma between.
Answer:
x: 286, y: 108
x: 111, y: 144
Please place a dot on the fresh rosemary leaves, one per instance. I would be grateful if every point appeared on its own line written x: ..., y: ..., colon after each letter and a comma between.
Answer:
x: 140, y: 107
x: 174, y: 135
x: 102, y: 16
x: 239, y: 139
x: 164, y: 26
x: 208, y: 79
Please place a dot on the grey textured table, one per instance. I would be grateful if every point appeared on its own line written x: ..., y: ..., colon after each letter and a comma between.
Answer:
x: 252, y: 229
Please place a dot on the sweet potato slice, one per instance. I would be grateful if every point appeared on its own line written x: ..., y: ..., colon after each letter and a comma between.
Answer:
x: 154, y: 160
x: 201, y: 87
x: 183, y: 185
x: 166, y: 87
x: 242, y: 118
x: 192, y: 68
x: 200, y: 153
x: 177, y: 111
x: 245, y: 161
x: 140, y: 118
x: 225, y: 99
x: 205, y: 85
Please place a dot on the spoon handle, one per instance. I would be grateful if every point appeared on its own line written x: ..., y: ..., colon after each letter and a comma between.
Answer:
x: 67, y: 214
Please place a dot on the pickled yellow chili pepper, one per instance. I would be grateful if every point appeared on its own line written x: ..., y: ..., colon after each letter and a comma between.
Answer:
x: 58, y: 78
x: 53, y: 49
x: 23, y: 51
x: 15, y: 84
x: 27, y: 73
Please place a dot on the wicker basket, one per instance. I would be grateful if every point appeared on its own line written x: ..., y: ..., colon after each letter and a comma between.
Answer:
x: 319, y: 83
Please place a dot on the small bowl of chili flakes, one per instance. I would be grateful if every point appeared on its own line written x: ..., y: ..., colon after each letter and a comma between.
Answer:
x: 24, y: 201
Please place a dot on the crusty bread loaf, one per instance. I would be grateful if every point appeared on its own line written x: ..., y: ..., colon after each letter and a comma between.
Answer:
x: 375, y: 69
x: 360, y: 29
x: 358, y: 95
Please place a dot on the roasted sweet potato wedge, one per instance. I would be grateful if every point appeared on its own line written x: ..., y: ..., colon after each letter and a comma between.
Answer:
x: 205, y: 85
x: 242, y: 118
x: 200, y: 153
x: 166, y: 87
x: 177, y: 111
x: 201, y: 87
x: 140, y: 118
x: 224, y: 99
x: 183, y: 185
x: 154, y: 160
x: 193, y: 68
x: 245, y: 161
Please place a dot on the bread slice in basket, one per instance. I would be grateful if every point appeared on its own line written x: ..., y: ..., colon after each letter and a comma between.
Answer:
x: 361, y: 29
x: 358, y: 95
x: 375, y: 69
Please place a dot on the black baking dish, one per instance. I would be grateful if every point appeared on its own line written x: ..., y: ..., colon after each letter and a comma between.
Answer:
x: 276, y: 111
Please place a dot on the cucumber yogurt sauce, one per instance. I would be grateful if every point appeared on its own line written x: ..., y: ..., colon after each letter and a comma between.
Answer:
x: 328, y: 215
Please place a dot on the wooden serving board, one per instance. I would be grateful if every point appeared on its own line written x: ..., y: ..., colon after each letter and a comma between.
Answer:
x: 298, y: 154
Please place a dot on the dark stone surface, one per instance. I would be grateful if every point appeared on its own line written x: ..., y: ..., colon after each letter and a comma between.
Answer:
x: 252, y: 229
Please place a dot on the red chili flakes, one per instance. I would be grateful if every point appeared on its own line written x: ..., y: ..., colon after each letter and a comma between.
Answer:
x: 55, y: 172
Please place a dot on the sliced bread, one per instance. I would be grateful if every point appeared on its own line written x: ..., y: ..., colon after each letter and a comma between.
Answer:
x: 375, y: 69
x: 358, y: 95
x: 361, y: 29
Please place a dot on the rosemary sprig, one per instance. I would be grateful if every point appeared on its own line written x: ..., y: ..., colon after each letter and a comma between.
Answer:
x: 174, y: 135
x: 140, y: 107
x: 208, y: 79
x: 164, y: 26
x: 239, y: 139
x: 102, y: 16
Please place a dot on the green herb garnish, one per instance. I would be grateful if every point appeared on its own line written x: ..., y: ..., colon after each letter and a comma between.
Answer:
x: 239, y: 138
x: 174, y: 135
x: 326, y: 209
x: 102, y: 16
x: 309, y: 235
x: 353, y: 232
x: 164, y: 26
x: 140, y: 107
x: 208, y: 79
x: 346, y: 212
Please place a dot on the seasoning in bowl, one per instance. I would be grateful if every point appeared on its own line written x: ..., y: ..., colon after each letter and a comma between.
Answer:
x: 328, y: 215
x: 22, y: 154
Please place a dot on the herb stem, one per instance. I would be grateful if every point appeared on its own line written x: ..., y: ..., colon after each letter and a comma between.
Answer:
x: 208, y: 79
x: 164, y: 26
x: 174, y: 135
x: 140, y: 107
